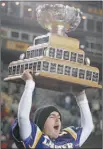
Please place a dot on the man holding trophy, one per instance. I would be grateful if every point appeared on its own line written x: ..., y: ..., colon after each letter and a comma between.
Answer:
x: 45, y: 131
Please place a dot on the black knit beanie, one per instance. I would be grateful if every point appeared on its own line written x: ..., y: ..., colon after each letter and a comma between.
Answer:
x: 42, y: 114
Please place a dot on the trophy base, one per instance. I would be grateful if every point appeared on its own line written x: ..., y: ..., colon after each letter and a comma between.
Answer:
x: 51, y: 83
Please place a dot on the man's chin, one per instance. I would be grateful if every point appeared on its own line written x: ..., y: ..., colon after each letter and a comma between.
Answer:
x: 54, y: 137
x: 56, y: 134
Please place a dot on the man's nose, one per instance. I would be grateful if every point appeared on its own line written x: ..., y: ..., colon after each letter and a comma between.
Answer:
x: 57, y: 119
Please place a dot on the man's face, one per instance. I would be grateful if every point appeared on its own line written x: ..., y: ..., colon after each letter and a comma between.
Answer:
x: 52, y: 125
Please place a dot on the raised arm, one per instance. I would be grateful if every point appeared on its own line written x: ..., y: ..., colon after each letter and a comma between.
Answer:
x: 86, y: 117
x: 25, y: 106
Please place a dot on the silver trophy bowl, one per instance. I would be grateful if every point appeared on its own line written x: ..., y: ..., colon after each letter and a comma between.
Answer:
x: 58, y: 18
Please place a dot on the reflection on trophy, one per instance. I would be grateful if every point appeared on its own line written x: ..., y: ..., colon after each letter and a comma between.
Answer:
x: 55, y: 59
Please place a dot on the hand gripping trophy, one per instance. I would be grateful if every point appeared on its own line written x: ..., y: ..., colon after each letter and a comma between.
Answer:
x: 55, y: 59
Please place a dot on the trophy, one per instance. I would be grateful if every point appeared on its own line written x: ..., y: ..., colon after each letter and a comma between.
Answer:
x: 55, y: 58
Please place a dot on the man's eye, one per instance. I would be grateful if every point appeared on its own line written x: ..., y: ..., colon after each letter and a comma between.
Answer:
x: 51, y: 116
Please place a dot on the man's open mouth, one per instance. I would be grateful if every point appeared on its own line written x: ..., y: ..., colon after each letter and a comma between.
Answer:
x: 56, y: 127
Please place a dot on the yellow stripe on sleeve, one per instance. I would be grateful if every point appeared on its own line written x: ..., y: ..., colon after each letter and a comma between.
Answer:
x: 37, y: 138
x: 72, y: 132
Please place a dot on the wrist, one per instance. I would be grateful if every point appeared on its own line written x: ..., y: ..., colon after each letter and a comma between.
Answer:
x: 77, y: 94
x: 81, y: 93
x: 81, y: 98
x: 30, y: 84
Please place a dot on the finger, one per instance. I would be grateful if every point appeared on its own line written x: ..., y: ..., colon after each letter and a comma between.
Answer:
x: 28, y: 71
